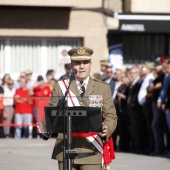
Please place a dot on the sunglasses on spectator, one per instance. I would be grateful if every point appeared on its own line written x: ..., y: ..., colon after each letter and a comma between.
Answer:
x: 109, y: 72
x: 10, y: 84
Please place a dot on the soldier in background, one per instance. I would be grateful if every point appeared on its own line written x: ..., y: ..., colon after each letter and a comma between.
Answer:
x: 67, y: 68
x: 103, y: 65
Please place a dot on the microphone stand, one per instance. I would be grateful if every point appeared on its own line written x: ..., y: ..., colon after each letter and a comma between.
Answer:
x: 63, y: 106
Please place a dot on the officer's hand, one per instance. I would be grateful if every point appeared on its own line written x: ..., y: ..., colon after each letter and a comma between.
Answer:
x: 41, y: 128
x: 104, y: 133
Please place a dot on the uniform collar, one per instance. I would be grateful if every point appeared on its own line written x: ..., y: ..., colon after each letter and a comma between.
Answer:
x: 86, y: 81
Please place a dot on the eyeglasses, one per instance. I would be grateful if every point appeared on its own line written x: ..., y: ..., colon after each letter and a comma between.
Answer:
x: 109, y: 72
x: 10, y: 84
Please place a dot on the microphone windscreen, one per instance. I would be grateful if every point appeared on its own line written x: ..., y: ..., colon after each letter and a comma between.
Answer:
x: 74, y: 71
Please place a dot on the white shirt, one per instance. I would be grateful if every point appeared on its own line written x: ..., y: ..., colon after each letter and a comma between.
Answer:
x: 143, y: 89
x: 8, y: 96
x: 108, y: 80
x: 134, y: 81
x: 85, y: 83
x: 117, y: 85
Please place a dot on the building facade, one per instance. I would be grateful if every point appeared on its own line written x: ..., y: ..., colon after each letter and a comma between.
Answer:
x: 144, y: 30
x: 35, y: 34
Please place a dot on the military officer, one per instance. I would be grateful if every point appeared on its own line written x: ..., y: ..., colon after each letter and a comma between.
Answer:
x: 103, y: 65
x: 81, y: 61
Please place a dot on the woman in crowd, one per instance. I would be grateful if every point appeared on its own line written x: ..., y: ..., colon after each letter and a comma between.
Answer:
x: 5, y: 79
x: 9, y: 92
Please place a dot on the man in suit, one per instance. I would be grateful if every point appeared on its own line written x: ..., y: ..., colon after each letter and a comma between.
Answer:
x: 115, y: 83
x: 145, y: 102
x: 162, y: 100
x: 109, y: 78
x: 81, y: 61
x: 158, y: 120
x: 134, y: 111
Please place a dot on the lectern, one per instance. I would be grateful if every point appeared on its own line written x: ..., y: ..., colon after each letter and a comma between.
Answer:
x: 78, y: 120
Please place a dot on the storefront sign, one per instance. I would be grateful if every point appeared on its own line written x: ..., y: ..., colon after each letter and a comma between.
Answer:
x: 144, y: 23
x: 133, y: 27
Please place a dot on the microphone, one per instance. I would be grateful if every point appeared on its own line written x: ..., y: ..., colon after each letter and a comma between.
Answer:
x: 72, y: 73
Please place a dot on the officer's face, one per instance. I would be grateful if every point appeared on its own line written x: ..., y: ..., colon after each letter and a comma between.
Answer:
x: 83, y: 68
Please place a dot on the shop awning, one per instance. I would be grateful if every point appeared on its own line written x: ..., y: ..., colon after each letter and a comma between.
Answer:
x: 143, y: 23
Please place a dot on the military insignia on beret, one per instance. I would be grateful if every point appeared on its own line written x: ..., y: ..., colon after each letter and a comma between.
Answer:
x: 81, y: 51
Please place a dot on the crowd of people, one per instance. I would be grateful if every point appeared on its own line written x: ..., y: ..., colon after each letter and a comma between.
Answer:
x: 141, y: 95
x: 18, y: 109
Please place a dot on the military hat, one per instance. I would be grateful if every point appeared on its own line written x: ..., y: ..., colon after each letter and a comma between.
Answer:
x: 104, y: 62
x: 80, y: 53
x: 149, y: 65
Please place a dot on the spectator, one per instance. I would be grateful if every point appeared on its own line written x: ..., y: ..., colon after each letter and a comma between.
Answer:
x: 23, y: 109
x: 116, y: 83
x: 165, y: 108
x: 9, y: 93
x: 168, y: 101
x: 161, y: 103
x: 49, y: 76
x: 2, y: 116
x: 134, y: 111
x: 158, y: 115
x: 162, y: 95
x: 147, y: 77
x: 17, y: 83
x: 118, y: 77
x: 5, y: 79
x: 121, y: 109
x: 40, y: 90
x: 146, y: 104
x: 109, y: 78
x: 30, y: 82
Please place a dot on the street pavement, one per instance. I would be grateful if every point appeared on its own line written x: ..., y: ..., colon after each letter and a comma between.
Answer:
x: 35, y: 154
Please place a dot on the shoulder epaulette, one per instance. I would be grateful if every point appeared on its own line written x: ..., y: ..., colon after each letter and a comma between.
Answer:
x: 100, y: 81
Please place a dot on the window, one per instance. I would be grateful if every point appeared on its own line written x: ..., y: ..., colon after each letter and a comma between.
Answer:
x: 37, y: 54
